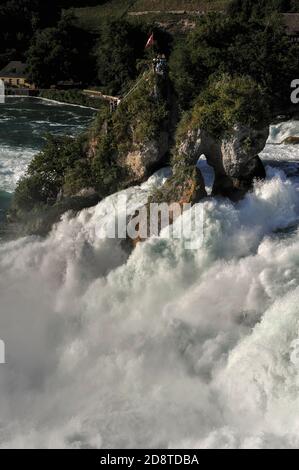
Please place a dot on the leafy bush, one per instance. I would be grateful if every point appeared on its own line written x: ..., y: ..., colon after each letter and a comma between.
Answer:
x: 107, y: 174
x: 78, y: 177
x: 227, y: 101
x: 139, y: 117
x: 46, y: 174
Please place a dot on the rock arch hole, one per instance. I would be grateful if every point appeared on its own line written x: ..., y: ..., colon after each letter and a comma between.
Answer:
x: 207, y: 172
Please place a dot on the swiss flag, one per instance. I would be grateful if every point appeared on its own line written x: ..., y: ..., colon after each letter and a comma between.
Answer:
x: 150, y: 41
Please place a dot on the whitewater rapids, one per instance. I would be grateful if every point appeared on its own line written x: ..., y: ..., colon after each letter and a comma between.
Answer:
x: 168, y: 347
x: 171, y: 347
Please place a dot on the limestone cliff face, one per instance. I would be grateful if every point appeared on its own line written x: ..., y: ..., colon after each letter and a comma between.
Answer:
x: 234, y: 158
x: 240, y: 148
x: 139, y: 152
x: 142, y: 133
x: 147, y: 157
x: 138, y: 135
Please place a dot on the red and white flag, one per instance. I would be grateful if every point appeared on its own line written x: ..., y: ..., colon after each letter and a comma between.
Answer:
x: 150, y: 41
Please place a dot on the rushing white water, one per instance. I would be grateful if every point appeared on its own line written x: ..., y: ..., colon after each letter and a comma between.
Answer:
x: 14, y: 162
x: 280, y: 131
x: 168, y: 347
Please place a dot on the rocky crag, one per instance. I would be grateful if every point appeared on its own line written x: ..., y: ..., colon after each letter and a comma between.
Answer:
x: 147, y: 132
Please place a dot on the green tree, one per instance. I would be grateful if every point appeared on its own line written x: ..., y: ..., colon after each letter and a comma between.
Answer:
x: 227, y: 101
x: 46, y: 174
x: 60, y: 53
x: 19, y: 19
x: 257, y: 48
x: 121, y: 45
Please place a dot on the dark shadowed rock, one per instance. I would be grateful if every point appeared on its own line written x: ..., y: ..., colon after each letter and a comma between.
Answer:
x: 291, y: 140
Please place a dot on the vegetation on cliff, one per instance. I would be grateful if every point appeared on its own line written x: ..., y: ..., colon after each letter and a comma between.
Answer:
x: 225, y: 102
x: 137, y: 120
x: 231, y: 74
x: 234, y: 110
x: 48, y: 172
x: 66, y: 165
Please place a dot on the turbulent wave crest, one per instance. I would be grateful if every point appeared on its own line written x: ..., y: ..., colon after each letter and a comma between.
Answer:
x: 168, y: 347
x: 281, y: 131
x: 13, y: 164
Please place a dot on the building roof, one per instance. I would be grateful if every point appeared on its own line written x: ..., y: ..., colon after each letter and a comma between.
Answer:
x: 14, y: 69
x: 292, y: 22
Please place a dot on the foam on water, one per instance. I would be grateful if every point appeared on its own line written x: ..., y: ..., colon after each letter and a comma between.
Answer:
x: 13, y: 164
x: 279, y: 132
x: 169, y: 347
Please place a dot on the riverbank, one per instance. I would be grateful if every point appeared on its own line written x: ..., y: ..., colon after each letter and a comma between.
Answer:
x: 73, y: 97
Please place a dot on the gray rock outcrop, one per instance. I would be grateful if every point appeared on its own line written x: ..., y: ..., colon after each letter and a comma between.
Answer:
x: 147, y: 157
x: 234, y: 158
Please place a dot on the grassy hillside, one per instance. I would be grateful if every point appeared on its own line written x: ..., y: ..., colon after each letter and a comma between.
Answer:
x: 91, y: 18
x: 178, y: 5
